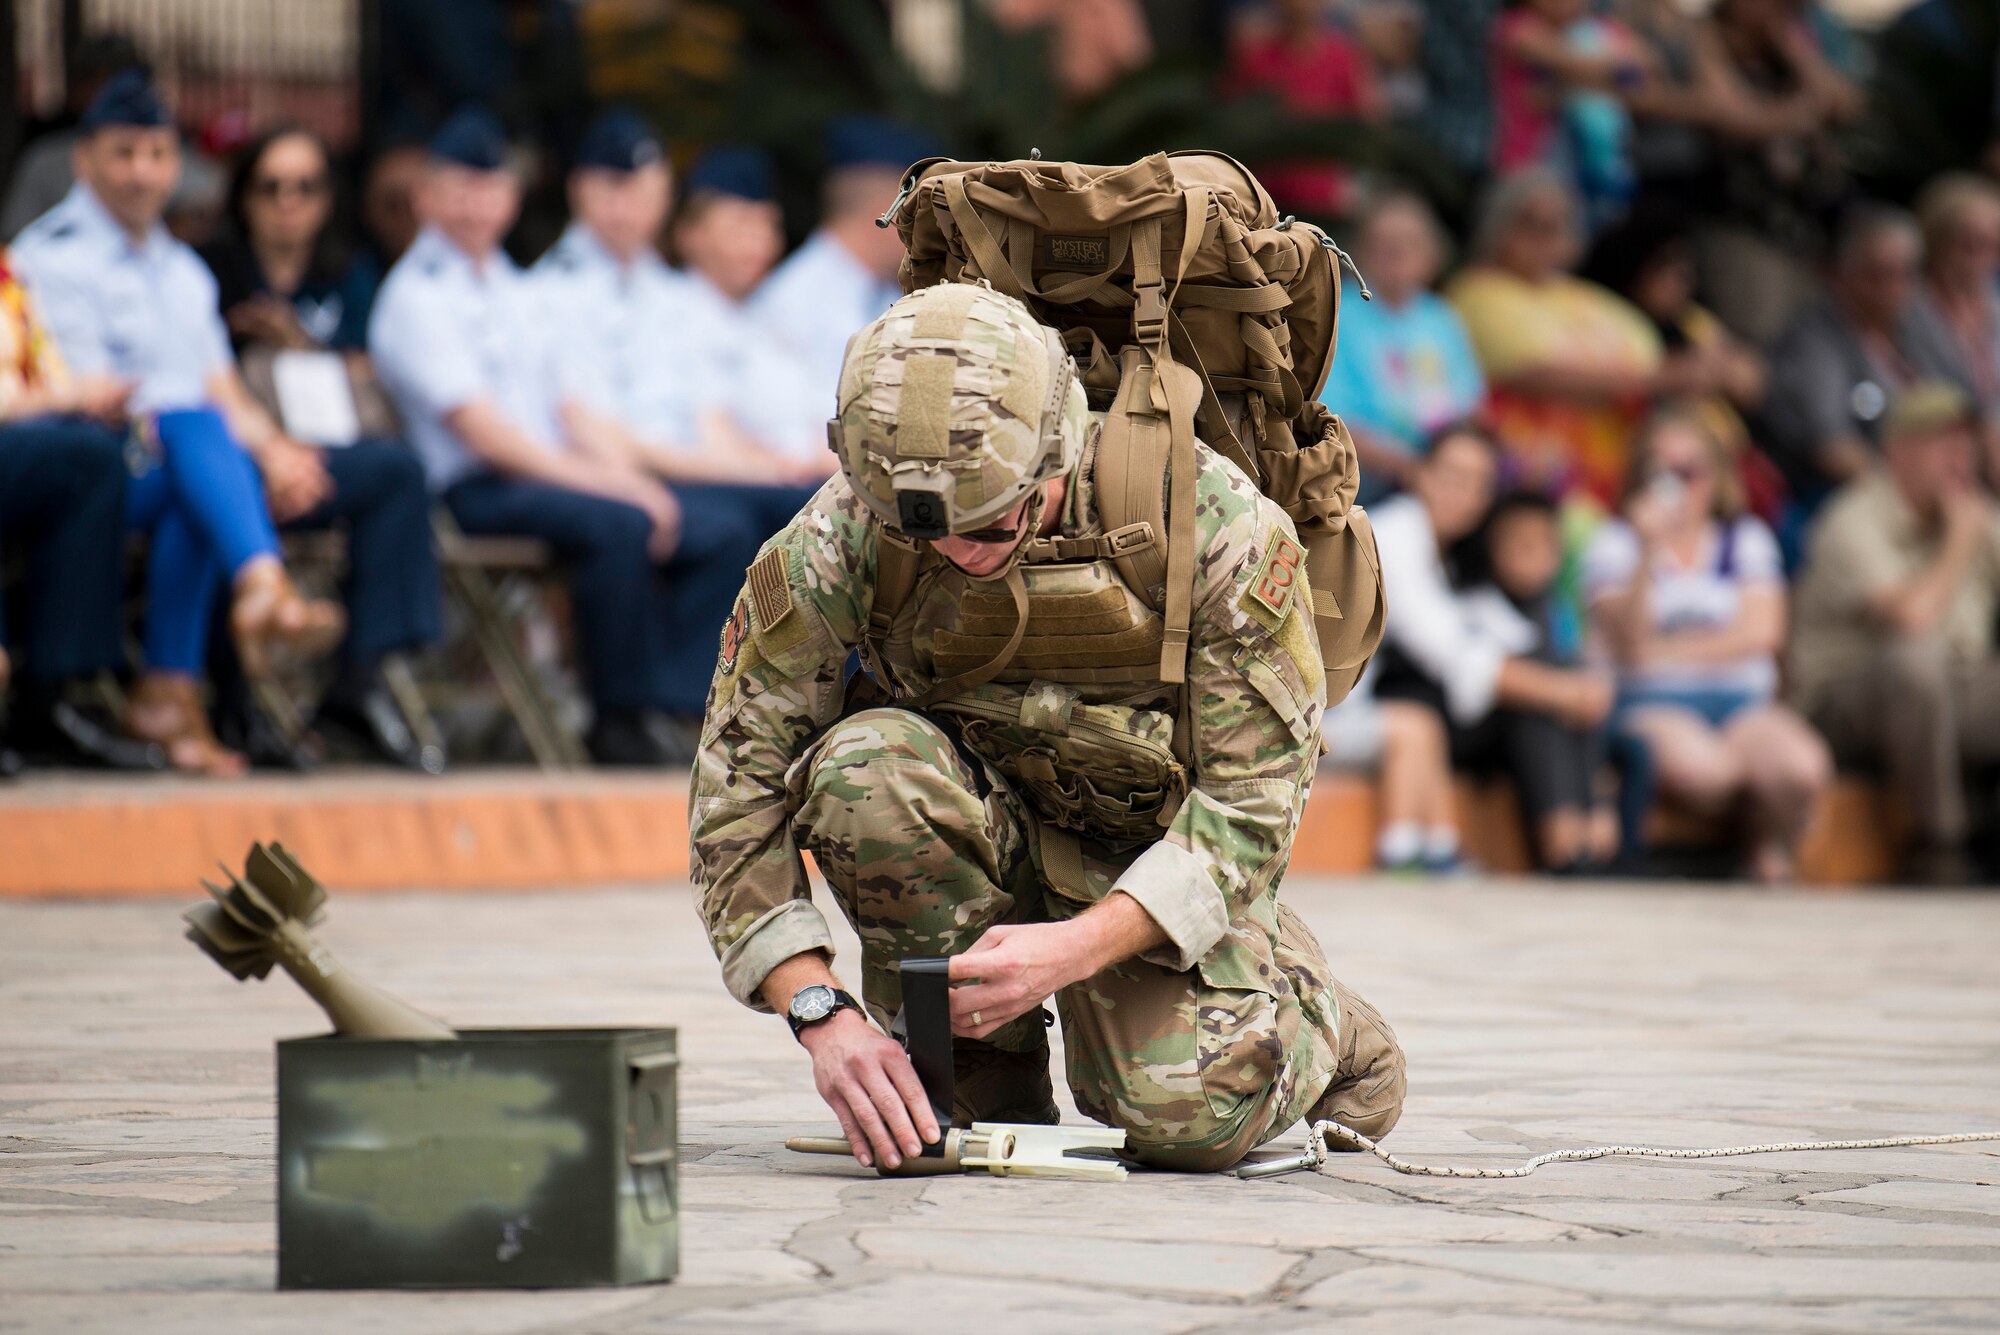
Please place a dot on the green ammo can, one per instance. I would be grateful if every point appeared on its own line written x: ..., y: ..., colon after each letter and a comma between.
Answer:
x: 503, y: 1158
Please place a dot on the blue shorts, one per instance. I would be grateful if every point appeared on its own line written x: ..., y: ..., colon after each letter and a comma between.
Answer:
x: 1715, y: 705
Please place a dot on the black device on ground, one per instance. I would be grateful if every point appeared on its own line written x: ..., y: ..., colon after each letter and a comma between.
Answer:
x: 927, y: 1032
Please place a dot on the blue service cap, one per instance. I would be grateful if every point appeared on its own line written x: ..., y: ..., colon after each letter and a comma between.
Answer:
x: 127, y: 98
x: 619, y: 141
x: 733, y: 169
x: 472, y: 137
x: 870, y: 141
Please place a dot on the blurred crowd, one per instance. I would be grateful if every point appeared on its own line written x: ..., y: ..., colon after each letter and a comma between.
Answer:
x: 1678, y: 444
x: 1682, y: 465
x: 651, y: 424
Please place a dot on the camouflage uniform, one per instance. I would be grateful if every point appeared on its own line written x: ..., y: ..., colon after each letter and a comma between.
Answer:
x: 1200, y: 1050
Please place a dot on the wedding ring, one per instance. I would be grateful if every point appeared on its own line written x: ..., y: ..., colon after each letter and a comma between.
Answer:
x: 976, y: 1021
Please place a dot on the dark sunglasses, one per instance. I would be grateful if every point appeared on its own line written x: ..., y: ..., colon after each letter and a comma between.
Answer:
x: 305, y: 187
x: 989, y: 535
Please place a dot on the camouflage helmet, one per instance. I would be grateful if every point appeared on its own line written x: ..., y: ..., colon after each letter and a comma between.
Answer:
x: 952, y: 407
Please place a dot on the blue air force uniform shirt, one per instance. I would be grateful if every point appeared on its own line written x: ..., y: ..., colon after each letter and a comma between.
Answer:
x: 446, y: 333
x: 625, y: 346
x: 744, y: 372
x: 814, y: 302
x: 145, y: 312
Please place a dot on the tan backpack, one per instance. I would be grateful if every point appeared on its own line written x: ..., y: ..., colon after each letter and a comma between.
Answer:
x: 1193, y: 312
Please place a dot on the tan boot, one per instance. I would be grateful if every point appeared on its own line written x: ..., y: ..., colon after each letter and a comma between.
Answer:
x: 272, y: 622
x: 166, y: 708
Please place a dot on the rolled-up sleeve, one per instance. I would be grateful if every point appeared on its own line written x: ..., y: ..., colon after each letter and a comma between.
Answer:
x: 776, y: 688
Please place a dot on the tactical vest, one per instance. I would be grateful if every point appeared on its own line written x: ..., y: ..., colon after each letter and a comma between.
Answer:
x: 1062, y: 696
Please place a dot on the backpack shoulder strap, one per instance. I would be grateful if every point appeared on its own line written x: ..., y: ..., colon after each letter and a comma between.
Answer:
x: 1146, y: 476
x: 1131, y: 475
x: 896, y: 563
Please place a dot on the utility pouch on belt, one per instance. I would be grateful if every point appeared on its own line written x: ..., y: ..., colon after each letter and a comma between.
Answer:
x: 1108, y: 771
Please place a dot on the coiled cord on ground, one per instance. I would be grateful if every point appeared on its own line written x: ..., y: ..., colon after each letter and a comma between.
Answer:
x: 1319, y: 1144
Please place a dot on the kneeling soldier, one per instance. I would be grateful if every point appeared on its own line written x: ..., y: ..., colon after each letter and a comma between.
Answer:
x: 1034, y: 798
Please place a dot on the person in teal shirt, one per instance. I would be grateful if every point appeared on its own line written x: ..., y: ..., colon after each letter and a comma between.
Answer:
x: 1404, y: 368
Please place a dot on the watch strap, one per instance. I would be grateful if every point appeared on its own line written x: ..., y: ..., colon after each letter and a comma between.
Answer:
x: 842, y: 1001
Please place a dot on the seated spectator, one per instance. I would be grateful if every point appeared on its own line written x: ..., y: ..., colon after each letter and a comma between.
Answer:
x: 1649, y: 260
x: 1687, y: 595
x: 1673, y: 108
x: 727, y: 235
x: 461, y: 344
x: 42, y: 174
x: 1570, y: 366
x: 1291, y: 48
x: 1391, y: 34
x: 1893, y: 655
x: 125, y: 300
x: 1558, y: 72
x: 1934, y: 96
x: 1460, y: 685
x: 62, y: 489
x: 1521, y: 550
x: 1847, y: 356
x: 1406, y: 368
x: 297, y: 305
x: 845, y: 273
x: 638, y: 359
x: 1779, y: 104
x: 1457, y: 59
x: 388, y: 212
x: 1958, y: 302
x: 282, y: 274
x: 1091, y: 42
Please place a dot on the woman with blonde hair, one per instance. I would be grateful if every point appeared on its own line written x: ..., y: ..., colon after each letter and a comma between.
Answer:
x: 1686, y: 596
x: 1958, y: 304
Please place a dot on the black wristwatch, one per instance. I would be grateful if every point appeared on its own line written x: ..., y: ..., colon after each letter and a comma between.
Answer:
x: 812, y: 1004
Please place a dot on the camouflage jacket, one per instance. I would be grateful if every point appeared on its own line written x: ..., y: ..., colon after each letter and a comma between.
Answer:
x: 1254, y: 675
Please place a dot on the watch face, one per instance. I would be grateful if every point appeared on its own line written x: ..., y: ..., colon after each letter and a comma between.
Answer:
x: 812, y: 1003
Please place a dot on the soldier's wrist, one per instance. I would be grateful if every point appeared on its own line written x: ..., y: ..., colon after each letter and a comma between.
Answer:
x: 843, y: 1021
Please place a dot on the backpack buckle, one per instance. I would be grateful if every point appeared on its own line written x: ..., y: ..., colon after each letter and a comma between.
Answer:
x: 1149, y: 315
x: 1131, y: 538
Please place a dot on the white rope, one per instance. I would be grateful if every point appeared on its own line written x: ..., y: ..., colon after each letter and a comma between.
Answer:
x: 1319, y: 1145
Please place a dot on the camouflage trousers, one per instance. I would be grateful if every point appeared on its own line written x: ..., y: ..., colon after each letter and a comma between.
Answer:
x: 926, y: 848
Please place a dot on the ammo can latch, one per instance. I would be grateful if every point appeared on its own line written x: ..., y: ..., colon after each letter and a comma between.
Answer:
x: 649, y: 1132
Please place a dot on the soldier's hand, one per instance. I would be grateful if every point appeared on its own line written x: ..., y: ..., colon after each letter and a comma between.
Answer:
x: 1011, y: 970
x: 866, y: 1078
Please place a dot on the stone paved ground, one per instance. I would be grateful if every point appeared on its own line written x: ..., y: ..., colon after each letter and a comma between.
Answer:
x: 136, y: 1133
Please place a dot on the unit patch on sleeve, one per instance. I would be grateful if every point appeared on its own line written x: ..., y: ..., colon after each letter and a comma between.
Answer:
x: 1276, y: 580
x: 734, y: 632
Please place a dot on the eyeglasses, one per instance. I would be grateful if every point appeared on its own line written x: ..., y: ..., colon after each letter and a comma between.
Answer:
x: 305, y: 187
x: 994, y: 535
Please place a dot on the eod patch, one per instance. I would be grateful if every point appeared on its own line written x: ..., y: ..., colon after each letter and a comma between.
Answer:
x: 1277, y: 577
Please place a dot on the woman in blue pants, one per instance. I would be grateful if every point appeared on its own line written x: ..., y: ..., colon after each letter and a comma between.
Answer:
x: 202, y: 500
